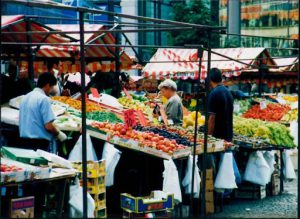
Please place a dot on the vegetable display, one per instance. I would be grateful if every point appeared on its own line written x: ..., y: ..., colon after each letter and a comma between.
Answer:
x: 76, y: 104
x: 102, y: 116
x: 275, y: 133
x: 243, y: 106
x: 273, y: 112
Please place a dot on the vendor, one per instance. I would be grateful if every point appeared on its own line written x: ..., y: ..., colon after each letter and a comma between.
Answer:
x: 173, y: 107
x: 36, y: 116
x: 220, y: 108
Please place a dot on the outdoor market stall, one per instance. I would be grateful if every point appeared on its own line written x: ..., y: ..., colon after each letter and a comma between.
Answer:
x: 110, y: 131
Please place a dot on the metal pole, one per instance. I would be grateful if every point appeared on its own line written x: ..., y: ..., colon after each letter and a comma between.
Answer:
x: 117, y: 62
x: 203, y: 200
x: 83, y: 109
x: 260, y: 70
x: 200, y: 55
x: 30, y: 52
x: 298, y: 113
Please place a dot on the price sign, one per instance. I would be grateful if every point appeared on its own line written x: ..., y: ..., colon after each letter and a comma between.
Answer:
x: 142, y: 118
x: 236, y: 107
x: 129, y: 118
x: 263, y: 104
x: 127, y: 94
x: 95, y: 92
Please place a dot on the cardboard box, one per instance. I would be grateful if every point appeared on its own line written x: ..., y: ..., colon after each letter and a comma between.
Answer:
x: 24, y: 156
x: 22, y: 207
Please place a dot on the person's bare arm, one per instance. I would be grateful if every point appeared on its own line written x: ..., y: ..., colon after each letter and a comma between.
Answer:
x: 211, y: 124
x: 51, y: 128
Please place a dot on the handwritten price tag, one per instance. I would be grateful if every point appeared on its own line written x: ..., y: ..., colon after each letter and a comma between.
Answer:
x: 263, y: 104
x: 129, y: 118
x: 95, y: 92
x: 142, y: 118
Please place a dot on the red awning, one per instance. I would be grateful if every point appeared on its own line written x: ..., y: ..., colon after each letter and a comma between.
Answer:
x: 184, y: 63
x: 18, y: 23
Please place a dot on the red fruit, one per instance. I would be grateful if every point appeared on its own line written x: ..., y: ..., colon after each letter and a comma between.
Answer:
x: 123, y: 132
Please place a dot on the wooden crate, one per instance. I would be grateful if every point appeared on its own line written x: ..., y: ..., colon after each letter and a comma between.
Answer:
x: 250, y: 191
x: 210, y: 207
x: 275, y: 183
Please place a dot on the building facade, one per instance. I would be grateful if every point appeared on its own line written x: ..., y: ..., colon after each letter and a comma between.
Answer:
x: 268, y: 18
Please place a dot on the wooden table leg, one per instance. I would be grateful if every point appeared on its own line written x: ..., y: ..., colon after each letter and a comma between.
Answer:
x: 281, y: 171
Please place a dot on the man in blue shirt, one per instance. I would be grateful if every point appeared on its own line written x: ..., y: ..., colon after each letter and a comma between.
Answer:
x: 36, y: 116
x: 220, y: 108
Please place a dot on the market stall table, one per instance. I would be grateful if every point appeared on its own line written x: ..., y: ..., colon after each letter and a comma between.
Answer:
x: 61, y: 180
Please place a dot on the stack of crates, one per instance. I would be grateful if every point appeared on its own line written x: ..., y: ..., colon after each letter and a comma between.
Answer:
x: 209, y: 192
x: 96, y: 186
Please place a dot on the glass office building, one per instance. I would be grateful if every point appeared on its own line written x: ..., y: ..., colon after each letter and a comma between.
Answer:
x: 269, y: 18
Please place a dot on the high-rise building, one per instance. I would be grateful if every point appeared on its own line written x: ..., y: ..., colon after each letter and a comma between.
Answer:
x: 268, y: 18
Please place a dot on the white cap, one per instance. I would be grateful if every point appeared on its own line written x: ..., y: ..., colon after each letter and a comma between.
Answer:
x: 168, y: 83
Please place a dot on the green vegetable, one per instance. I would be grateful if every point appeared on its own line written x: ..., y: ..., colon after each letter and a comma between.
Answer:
x: 101, y: 116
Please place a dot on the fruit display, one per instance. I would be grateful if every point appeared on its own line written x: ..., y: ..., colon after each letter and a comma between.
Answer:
x: 275, y: 133
x: 9, y: 168
x: 134, y: 104
x: 273, y: 112
x: 189, y: 120
x: 138, y: 105
x: 146, y: 139
x: 292, y: 115
x: 289, y: 98
x: 76, y: 104
x: 180, y: 139
x: 102, y: 116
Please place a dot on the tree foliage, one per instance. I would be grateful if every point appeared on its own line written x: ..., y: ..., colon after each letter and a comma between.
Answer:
x: 196, y: 12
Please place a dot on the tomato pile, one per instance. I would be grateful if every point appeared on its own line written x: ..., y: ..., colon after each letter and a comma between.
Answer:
x: 11, y: 168
x: 148, y: 139
x: 273, y: 112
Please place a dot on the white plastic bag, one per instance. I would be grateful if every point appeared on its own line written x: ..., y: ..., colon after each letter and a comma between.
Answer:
x: 112, y: 156
x: 76, y: 202
x: 225, y: 178
x: 288, y: 169
x: 187, y: 181
x: 294, y: 131
x: 76, y: 153
x: 257, y: 169
x: 270, y: 158
x: 171, y: 180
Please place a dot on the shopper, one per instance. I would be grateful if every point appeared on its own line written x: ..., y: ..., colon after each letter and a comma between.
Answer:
x: 36, y: 117
x: 220, y: 108
x: 173, y: 107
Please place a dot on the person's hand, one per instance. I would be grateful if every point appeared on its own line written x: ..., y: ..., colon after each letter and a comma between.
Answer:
x: 66, y: 92
x: 61, y: 136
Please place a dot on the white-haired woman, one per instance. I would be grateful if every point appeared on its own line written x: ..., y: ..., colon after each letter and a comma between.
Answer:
x: 173, y: 107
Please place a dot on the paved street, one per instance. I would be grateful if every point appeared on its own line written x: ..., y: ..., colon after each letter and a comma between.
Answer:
x: 281, y: 206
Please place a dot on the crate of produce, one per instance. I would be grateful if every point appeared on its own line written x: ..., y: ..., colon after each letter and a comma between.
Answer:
x: 11, y: 172
x: 23, y: 155
x: 157, y: 201
x: 94, y: 169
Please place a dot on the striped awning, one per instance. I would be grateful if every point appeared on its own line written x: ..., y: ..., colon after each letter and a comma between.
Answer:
x: 18, y: 23
x: 57, y: 51
x: 184, y: 63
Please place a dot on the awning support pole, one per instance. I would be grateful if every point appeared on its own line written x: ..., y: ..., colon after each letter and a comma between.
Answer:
x: 83, y: 109
x: 200, y: 56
